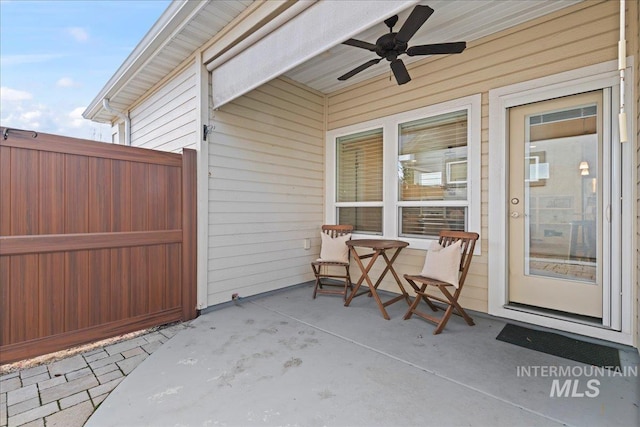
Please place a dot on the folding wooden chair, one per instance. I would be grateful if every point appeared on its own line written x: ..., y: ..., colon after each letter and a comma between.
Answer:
x: 326, y: 268
x: 447, y: 238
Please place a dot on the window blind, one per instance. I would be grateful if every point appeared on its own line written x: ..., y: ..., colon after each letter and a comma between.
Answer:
x: 366, y: 220
x: 428, y: 221
x: 425, y: 149
x: 359, y: 163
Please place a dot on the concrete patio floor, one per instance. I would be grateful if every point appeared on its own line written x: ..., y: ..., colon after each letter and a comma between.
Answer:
x: 284, y: 359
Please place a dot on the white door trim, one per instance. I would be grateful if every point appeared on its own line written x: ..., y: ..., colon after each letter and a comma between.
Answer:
x: 567, y: 83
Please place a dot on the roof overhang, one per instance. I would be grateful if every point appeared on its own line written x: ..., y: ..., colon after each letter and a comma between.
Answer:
x: 298, y: 39
x: 183, y: 28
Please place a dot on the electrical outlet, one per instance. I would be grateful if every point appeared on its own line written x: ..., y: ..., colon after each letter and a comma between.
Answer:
x: 307, y: 244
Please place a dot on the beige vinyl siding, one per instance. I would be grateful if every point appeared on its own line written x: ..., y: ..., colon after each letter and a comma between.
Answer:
x: 574, y: 37
x: 266, y: 165
x: 167, y: 119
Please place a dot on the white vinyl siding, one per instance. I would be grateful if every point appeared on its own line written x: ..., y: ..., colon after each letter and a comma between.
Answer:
x: 167, y: 119
x: 266, y: 166
x: 571, y: 38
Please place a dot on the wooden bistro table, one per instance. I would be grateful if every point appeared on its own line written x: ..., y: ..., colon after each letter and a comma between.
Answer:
x: 380, y: 248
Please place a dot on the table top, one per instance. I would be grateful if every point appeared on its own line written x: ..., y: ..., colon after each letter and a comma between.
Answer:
x: 377, y: 243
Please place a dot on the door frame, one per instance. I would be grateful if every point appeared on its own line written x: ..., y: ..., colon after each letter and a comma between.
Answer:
x: 594, y: 77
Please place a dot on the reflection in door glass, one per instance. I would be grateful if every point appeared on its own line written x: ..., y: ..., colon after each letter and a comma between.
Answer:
x: 562, y: 195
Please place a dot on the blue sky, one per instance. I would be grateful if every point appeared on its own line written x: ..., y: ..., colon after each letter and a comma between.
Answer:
x: 55, y: 56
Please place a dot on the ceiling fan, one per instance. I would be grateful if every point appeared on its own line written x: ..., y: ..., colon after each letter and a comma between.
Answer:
x: 392, y: 45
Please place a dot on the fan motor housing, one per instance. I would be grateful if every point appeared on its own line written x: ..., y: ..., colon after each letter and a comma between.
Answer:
x: 388, y: 47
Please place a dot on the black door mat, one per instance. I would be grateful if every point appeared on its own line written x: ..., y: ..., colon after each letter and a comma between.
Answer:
x: 561, y: 346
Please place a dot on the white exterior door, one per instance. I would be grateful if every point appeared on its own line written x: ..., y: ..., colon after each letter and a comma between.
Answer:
x: 556, y: 202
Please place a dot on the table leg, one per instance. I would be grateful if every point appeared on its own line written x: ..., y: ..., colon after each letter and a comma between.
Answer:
x: 365, y: 276
x: 404, y: 295
x: 363, y: 270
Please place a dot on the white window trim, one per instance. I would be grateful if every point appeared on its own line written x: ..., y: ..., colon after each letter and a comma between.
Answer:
x: 594, y: 77
x: 389, y: 126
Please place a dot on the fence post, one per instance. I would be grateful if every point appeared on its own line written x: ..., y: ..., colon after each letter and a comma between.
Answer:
x: 189, y: 234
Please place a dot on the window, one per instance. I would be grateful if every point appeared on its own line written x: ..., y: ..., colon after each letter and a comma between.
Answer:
x: 359, y: 189
x: 409, y: 175
x: 432, y: 172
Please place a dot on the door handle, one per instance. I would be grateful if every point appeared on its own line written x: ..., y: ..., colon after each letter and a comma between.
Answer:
x: 515, y: 215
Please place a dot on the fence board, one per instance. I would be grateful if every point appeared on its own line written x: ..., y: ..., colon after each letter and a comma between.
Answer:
x: 24, y: 202
x: 96, y: 240
x: 139, y: 202
x: 51, y: 184
x: 121, y: 193
x: 121, y: 283
x: 76, y: 191
x: 51, y: 319
x: 5, y: 300
x: 99, y: 195
x: 174, y: 263
x: 5, y: 192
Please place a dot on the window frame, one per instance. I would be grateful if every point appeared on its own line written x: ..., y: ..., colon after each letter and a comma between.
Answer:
x: 390, y: 136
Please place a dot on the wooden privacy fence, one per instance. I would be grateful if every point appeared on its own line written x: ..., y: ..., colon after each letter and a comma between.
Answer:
x: 96, y: 240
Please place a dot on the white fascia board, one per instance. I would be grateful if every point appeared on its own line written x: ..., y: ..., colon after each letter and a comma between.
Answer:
x: 316, y: 29
x: 258, y: 13
x: 172, y: 19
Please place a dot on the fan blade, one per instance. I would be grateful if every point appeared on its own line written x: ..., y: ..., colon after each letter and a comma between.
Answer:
x: 418, y: 16
x: 360, y: 68
x: 360, y: 44
x: 437, y: 49
x: 400, y: 71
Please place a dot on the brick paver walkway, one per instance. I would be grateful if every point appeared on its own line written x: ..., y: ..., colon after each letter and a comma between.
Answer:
x: 67, y: 391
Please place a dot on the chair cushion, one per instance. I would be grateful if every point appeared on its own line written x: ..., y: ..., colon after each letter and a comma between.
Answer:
x: 443, y: 263
x: 334, y: 249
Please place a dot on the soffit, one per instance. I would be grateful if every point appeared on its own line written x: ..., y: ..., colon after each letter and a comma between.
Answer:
x: 197, y: 22
x: 453, y: 20
x: 187, y: 27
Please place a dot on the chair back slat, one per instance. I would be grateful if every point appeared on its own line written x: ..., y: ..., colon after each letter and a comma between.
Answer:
x: 320, y: 271
x: 449, y: 237
x: 337, y: 230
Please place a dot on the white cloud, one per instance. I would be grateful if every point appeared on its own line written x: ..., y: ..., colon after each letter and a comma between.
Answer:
x: 66, y: 82
x: 78, y: 33
x: 30, y: 115
x: 76, y: 117
x: 11, y: 95
x: 7, y: 60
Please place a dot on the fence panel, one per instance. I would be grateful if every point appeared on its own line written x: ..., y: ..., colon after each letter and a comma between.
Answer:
x: 96, y: 240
